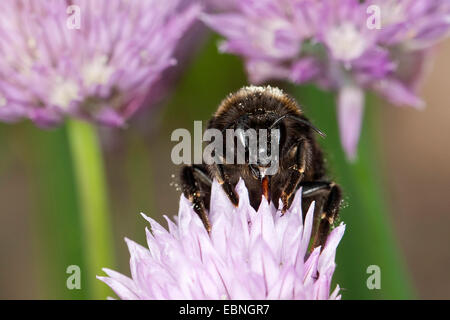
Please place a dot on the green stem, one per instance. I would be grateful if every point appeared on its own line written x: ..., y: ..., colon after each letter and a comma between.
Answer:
x: 91, y: 187
x: 54, y: 209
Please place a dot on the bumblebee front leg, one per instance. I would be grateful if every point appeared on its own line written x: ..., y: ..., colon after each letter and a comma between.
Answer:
x: 196, y: 186
x: 330, y: 211
x: 224, y: 181
x: 301, y: 154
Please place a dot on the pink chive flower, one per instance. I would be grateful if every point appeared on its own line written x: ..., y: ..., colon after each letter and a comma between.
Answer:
x: 340, y: 45
x: 92, y: 59
x: 248, y: 255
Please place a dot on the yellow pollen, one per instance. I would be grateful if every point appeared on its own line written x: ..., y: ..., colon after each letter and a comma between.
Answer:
x: 63, y: 92
x: 98, y: 71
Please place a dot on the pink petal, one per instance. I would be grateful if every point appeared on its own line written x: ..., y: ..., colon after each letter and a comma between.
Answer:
x: 119, y: 288
x: 350, y: 115
x: 398, y: 93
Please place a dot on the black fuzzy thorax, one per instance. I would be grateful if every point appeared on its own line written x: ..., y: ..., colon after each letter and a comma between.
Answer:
x: 259, y: 110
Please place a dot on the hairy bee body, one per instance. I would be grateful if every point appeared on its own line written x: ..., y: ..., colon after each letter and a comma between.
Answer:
x: 300, y: 159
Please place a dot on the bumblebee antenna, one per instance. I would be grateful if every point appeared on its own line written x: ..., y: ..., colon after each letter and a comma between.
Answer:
x: 300, y: 120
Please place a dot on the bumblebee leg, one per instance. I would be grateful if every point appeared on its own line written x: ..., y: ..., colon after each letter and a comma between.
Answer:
x: 195, y: 182
x: 227, y: 186
x: 331, y: 206
x: 301, y: 151
x: 315, y: 188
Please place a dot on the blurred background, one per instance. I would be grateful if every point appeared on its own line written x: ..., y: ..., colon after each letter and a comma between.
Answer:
x: 40, y: 230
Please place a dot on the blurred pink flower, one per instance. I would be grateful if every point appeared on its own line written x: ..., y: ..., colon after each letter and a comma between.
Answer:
x: 248, y: 255
x: 100, y: 70
x: 333, y: 44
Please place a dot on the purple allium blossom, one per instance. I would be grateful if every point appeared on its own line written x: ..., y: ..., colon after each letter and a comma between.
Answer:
x: 336, y: 44
x: 248, y: 255
x: 101, y: 72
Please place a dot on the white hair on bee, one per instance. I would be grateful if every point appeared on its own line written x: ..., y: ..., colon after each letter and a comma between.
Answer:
x: 274, y: 91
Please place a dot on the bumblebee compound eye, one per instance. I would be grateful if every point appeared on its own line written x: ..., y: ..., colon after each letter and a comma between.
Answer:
x: 241, y: 137
x: 268, y: 149
x: 247, y: 145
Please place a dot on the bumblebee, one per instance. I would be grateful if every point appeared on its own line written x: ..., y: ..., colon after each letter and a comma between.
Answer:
x: 300, y: 161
